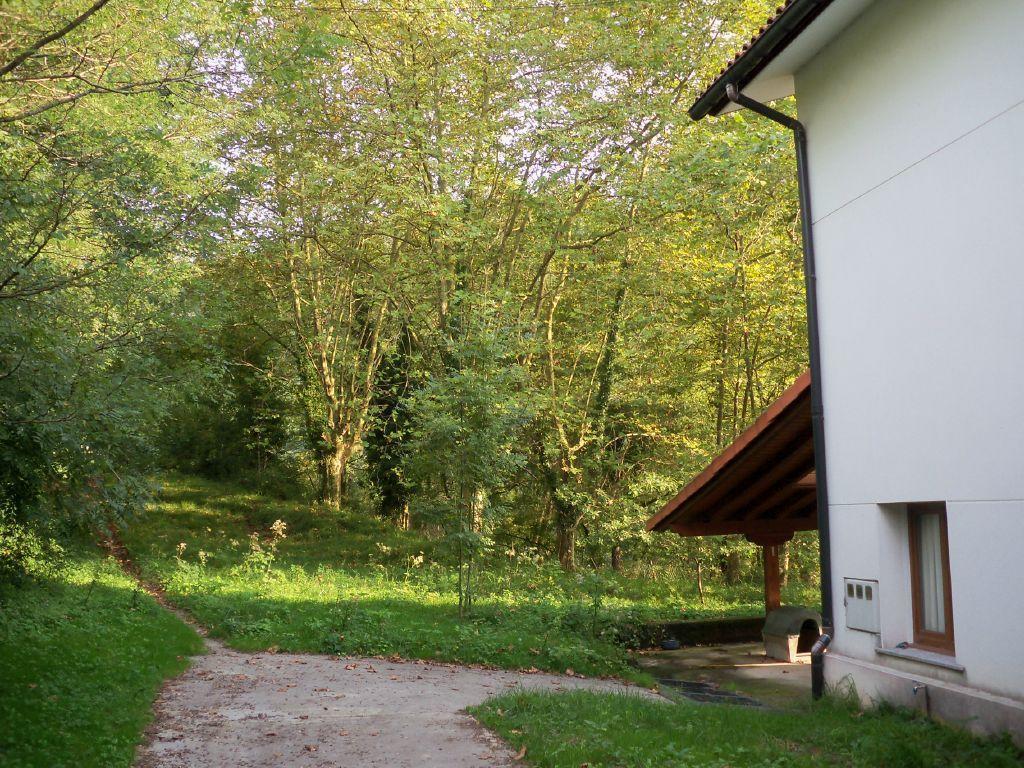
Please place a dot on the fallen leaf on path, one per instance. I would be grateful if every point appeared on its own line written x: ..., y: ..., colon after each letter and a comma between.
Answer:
x: 521, y: 753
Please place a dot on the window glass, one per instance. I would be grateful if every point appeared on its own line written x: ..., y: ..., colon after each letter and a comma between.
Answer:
x: 933, y: 599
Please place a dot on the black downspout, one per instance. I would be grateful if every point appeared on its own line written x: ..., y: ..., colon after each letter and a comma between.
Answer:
x: 814, y: 344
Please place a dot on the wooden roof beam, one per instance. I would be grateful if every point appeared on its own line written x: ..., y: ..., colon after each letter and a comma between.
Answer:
x: 748, y: 527
x: 798, y: 458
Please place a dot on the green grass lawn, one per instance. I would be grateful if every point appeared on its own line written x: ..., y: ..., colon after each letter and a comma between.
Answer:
x: 341, y: 583
x: 82, y: 655
x: 569, y: 730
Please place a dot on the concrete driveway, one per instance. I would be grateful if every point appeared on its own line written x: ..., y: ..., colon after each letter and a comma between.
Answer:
x: 241, y: 710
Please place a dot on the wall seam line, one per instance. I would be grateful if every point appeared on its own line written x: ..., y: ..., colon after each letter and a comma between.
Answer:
x: 920, y: 160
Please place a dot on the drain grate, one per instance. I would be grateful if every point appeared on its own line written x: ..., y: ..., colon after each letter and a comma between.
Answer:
x: 708, y: 693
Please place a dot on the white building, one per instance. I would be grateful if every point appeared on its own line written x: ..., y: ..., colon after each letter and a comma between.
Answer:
x: 914, y: 118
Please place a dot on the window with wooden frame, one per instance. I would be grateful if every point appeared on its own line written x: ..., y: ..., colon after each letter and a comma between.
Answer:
x: 929, y: 577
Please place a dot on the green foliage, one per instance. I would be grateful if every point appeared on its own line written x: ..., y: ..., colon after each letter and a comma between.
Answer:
x: 567, y: 730
x: 391, y: 422
x: 100, y: 213
x: 240, y: 423
x: 643, y: 273
x: 27, y: 550
x: 82, y: 656
x: 464, y: 445
x: 262, y: 550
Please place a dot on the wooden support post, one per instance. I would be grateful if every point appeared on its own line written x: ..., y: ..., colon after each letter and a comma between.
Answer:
x: 770, y: 551
x: 772, y: 577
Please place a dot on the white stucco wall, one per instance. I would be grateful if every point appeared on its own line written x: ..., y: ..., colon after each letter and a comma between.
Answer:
x: 915, y: 119
x: 988, y: 592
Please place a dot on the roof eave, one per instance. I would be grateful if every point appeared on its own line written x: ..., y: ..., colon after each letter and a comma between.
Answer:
x: 662, y: 519
x: 760, y: 52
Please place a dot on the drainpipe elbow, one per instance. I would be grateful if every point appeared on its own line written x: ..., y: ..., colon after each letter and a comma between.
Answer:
x: 821, y: 645
x: 818, y: 665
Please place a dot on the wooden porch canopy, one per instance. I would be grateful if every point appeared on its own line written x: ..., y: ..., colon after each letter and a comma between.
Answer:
x: 761, y: 486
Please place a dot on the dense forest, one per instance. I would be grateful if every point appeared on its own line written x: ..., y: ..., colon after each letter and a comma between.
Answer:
x: 465, y: 266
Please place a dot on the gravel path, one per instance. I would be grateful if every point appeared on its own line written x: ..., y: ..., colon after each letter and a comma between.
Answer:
x: 240, y: 710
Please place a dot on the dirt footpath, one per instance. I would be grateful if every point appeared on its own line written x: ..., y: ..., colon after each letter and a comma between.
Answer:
x: 239, y: 710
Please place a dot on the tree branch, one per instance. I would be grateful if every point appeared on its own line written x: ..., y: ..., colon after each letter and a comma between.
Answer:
x: 20, y: 59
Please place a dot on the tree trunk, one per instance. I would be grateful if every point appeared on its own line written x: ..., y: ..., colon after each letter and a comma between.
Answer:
x: 731, y: 567
x: 617, y: 558
x: 336, y: 461
x: 384, y: 443
x: 566, y: 523
x: 566, y: 541
x: 785, y: 564
x: 477, y: 505
x: 321, y: 458
x: 567, y: 516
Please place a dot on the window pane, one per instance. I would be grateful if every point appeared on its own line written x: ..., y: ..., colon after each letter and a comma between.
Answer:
x: 933, y: 600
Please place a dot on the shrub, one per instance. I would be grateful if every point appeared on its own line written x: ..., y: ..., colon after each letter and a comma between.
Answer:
x: 26, y: 551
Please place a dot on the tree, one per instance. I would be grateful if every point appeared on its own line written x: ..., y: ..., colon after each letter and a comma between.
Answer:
x: 104, y: 184
x: 386, y: 451
x: 464, y: 442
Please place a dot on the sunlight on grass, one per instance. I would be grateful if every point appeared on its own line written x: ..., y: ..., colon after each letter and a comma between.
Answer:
x: 568, y: 730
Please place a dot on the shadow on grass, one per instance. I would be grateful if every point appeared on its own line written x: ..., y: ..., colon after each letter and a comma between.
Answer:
x: 511, y: 637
